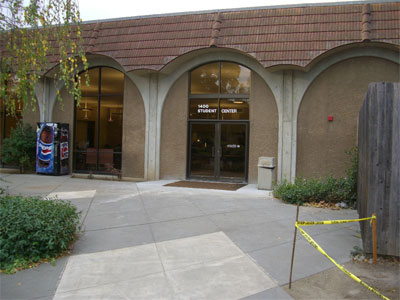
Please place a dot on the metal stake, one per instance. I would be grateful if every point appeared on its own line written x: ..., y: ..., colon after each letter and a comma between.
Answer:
x: 294, y: 247
x: 374, y: 254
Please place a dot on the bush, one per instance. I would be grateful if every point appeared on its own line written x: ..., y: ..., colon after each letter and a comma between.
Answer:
x: 20, y: 147
x: 32, y: 229
x: 352, y: 175
x: 327, y: 189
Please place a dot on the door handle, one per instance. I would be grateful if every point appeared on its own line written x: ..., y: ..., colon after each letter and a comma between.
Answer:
x: 219, y: 152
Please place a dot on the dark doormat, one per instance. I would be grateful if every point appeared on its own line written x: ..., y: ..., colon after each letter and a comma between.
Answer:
x: 207, y: 185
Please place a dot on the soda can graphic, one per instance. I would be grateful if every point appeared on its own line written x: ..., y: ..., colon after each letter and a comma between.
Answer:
x: 64, y: 150
x: 45, y: 145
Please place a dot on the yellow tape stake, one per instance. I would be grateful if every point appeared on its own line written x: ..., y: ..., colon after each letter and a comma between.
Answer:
x: 344, y: 270
x: 308, y: 223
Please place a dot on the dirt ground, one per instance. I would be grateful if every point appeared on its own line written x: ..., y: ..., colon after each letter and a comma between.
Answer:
x: 334, y: 284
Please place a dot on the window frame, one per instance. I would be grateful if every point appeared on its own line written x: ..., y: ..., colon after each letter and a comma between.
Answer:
x: 99, y: 97
x: 219, y: 96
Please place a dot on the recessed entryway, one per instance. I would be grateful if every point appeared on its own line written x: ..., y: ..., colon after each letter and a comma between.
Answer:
x: 218, y: 127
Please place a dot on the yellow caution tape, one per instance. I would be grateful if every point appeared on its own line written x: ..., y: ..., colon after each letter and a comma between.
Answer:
x: 308, y: 223
x: 344, y: 270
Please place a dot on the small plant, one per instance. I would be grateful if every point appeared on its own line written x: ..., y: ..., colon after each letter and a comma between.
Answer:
x: 20, y: 147
x: 352, y: 176
x: 357, y: 251
x: 33, y: 230
x: 113, y: 171
x: 328, y: 189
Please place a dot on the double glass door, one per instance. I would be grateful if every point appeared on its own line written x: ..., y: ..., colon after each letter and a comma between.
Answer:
x: 218, y: 151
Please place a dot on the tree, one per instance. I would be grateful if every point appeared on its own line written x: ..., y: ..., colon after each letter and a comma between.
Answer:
x: 20, y: 147
x: 41, y: 36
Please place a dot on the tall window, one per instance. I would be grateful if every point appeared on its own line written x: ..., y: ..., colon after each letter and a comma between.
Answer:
x: 98, y: 122
x: 219, y: 91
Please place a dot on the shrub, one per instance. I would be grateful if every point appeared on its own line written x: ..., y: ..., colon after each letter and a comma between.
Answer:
x: 20, y: 147
x: 32, y: 229
x: 352, y: 175
x: 327, y: 189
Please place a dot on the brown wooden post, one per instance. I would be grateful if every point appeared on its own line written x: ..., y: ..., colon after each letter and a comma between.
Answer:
x: 374, y: 250
x: 294, y: 246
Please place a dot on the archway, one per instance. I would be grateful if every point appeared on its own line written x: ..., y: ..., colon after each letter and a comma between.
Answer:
x: 337, y: 92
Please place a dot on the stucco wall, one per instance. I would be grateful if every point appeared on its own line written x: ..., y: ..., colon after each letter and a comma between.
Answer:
x: 264, y: 123
x: 133, y: 132
x: 31, y: 117
x: 339, y: 91
x: 63, y: 112
x: 174, y: 131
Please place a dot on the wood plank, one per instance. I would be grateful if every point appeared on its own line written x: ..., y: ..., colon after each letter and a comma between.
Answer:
x: 379, y: 166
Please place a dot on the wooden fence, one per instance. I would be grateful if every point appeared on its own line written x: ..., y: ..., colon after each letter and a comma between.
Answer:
x: 379, y: 166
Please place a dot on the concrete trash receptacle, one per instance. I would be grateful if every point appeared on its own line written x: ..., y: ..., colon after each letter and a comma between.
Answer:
x: 266, y: 172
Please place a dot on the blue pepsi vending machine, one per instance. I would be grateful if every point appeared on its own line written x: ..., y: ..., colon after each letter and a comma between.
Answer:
x: 52, y: 148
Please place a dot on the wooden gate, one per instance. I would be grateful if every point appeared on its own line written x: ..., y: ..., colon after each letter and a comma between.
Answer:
x: 379, y: 166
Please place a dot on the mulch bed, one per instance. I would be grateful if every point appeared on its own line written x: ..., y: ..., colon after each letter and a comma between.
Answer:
x: 206, y: 185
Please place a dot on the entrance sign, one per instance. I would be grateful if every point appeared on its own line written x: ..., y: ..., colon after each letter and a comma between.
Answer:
x: 218, y: 109
x: 229, y: 111
x: 204, y: 108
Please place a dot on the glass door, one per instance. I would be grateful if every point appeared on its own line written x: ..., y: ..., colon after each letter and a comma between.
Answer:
x: 202, y: 150
x: 218, y: 151
x: 233, y: 150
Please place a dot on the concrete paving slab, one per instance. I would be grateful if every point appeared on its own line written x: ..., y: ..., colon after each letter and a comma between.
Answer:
x: 177, y: 229
x: 320, y: 214
x: 101, y: 268
x: 315, y: 213
x: 38, y: 184
x: 229, y: 278
x: 116, y: 204
x: 209, y: 267
x: 163, y: 199
x: 276, y: 293
x: 180, y: 253
x: 160, y: 214
x: 276, y: 261
x: 72, y: 194
x: 213, y: 204
x: 109, y: 239
x: 237, y: 219
x: 103, y: 292
x: 155, y: 286
x: 40, y: 282
x: 259, y: 236
x: 114, y: 219
x: 81, y: 205
x: 339, y: 244
x: 259, y: 202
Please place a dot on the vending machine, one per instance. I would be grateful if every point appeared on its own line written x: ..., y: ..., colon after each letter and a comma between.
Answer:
x: 52, y: 148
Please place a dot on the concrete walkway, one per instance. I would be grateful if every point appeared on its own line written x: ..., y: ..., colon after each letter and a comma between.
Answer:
x: 147, y: 241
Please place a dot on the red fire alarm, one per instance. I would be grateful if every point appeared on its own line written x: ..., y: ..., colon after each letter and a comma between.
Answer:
x: 330, y: 118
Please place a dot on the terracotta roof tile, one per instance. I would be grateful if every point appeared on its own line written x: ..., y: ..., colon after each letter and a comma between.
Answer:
x: 276, y: 36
